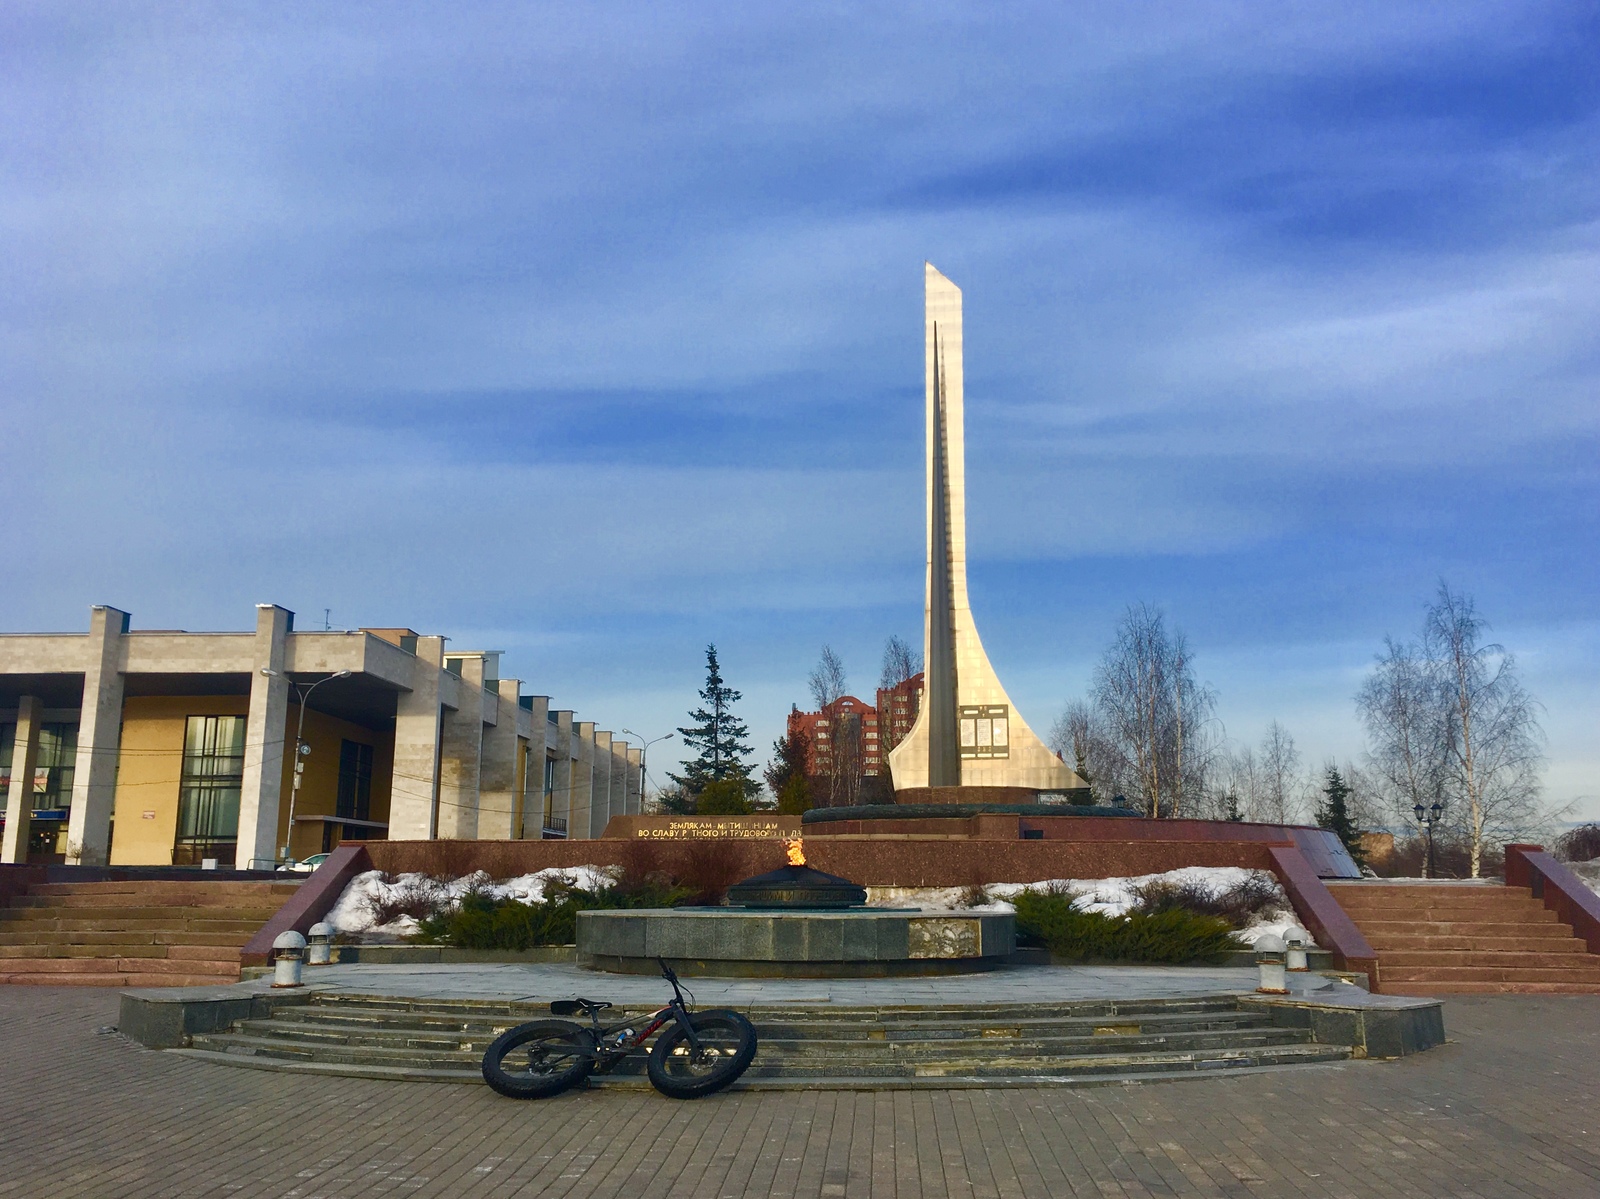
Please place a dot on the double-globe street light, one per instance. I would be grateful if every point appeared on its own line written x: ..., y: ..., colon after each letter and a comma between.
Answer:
x: 301, y: 749
x: 644, y: 748
x: 1427, y: 818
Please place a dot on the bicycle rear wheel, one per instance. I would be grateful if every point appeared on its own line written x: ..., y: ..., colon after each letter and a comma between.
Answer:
x: 539, y: 1059
x: 727, y: 1047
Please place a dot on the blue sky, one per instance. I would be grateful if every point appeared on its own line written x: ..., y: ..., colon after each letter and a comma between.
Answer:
x: 593, y: 333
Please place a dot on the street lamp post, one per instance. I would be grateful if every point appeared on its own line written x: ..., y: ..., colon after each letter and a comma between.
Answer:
x: 644, y: 748
x: 1427, y: 818
x: 301, y: 749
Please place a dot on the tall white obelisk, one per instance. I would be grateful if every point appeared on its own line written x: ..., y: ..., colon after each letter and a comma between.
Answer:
x: 967, y: 733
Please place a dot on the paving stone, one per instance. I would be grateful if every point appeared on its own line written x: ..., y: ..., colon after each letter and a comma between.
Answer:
x: 1505, y: 1111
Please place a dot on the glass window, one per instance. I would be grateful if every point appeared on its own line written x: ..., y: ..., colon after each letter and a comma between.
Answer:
x: 355, y: 781
x: 55, y: 767
x: 209, y: 790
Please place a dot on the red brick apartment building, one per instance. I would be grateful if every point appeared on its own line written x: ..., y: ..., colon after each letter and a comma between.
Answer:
x: 881, y: 727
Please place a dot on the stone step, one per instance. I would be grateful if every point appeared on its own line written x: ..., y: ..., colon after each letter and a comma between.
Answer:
x: 1398, y: 944
x: 122, y: 936
x: 1491, y: 988
x: 69, y: 968
x: 1426, y: 928
x: 121, y: 979
x: 168, y: 887
x: 1454, y: 915
x: 194, y: 924
x: 1401, y: 959
x: 828, y: 1024
x: 791, y: 1045
x: 465, y: 1064
x: 33, y: 902
x: 167, y: 915
x: 528, y: 1010
x: 1401, y: 975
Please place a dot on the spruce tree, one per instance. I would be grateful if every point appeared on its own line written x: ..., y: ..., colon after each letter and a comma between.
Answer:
x: 717, y: 734
x: 1334, y: 815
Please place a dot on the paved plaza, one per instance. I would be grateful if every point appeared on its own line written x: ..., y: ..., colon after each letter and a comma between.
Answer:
x: 1511, y: 1107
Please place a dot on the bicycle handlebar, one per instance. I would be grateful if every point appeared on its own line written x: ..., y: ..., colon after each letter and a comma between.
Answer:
x: 671, y: 976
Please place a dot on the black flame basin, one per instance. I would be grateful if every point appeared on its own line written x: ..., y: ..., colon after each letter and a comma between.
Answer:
x: 796, y: 887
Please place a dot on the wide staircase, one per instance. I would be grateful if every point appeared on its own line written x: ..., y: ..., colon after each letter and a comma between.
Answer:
x: 1079, y: 1043
x: 1453, y: 938
x: 133, y: 934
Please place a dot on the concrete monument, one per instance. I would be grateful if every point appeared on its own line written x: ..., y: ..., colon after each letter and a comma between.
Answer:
x: 968, y: 734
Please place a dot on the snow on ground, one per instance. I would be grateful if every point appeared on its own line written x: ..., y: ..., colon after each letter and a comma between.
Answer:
x: 355, y: 910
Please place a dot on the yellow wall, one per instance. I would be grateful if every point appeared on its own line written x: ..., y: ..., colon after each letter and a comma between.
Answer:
x: 151, y: 763
x: 148, y: 770
x: 319, y: 787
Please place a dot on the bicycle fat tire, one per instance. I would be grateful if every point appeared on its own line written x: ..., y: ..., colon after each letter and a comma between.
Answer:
x: 558, y: 1055
x: 677, y: 1072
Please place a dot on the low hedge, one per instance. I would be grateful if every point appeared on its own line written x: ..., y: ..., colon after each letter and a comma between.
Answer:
x: 1173, y: 935
x: 484, y: 921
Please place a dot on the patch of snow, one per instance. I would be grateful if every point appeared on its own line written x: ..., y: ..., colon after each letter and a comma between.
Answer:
x: 1108, y: 896
x: 354, y: 911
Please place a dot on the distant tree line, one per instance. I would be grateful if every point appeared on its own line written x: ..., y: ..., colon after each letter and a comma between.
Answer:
x: 1447, y: 721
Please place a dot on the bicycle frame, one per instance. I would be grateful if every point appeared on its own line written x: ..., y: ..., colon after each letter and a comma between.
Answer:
x: 608, y: 1052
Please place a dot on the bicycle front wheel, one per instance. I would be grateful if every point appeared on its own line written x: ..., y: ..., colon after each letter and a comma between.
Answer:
x: 539, y: 1059
x: 727, y: 1047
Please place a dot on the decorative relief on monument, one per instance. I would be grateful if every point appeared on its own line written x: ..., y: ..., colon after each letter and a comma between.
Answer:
x: 986, y: 731
x: 944, y: 938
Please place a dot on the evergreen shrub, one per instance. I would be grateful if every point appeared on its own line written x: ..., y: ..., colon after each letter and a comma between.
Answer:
x: 1173, y: 935
x: 485, y: 921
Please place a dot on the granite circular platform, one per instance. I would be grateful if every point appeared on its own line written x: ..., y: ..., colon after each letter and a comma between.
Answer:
x: 759, y: 943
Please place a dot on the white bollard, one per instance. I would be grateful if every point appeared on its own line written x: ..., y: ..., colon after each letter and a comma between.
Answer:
x: 288, y: 951
x: 1296, y: 940
x: 1269, y: 960
x: 319, y: 945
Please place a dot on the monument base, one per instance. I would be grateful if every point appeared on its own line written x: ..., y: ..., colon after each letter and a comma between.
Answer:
x: 991, y: 795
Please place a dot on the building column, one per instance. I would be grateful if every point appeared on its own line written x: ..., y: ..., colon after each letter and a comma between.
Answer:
x: 634, y: 803
x: 94, y: 782
x: 582, y: 779
x: 265, y: 731
x: 561, y: 780
x: 538, y: 744
x: 19, y: 795
x: 499, y: 774
x: 600, y: 784
x: 619, y: 778
x: 461, y: 755
x: 413, y: 795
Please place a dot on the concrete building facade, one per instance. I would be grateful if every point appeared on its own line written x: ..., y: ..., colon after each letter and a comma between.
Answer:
x: 156, y: 747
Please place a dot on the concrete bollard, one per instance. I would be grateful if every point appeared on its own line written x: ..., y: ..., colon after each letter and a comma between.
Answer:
x: 1269, y: 960
x: 319, y: 945
x: 288, y: 951
x: 1296, y: 941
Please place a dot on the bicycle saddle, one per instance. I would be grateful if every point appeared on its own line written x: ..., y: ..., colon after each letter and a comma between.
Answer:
x: 571, y: 1007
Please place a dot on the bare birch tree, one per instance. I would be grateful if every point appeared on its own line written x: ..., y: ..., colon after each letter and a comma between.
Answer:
x: 1156, y: 718
x: 1077, y: 737
x: 1279, y: 795
x: 1449, y: 722
x: 900, y: 662
x: 1399, y: 704
x: 1493, y: 744
x: 827, y: 682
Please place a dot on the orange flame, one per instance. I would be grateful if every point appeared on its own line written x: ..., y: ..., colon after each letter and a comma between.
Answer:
x: 797, y: 856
